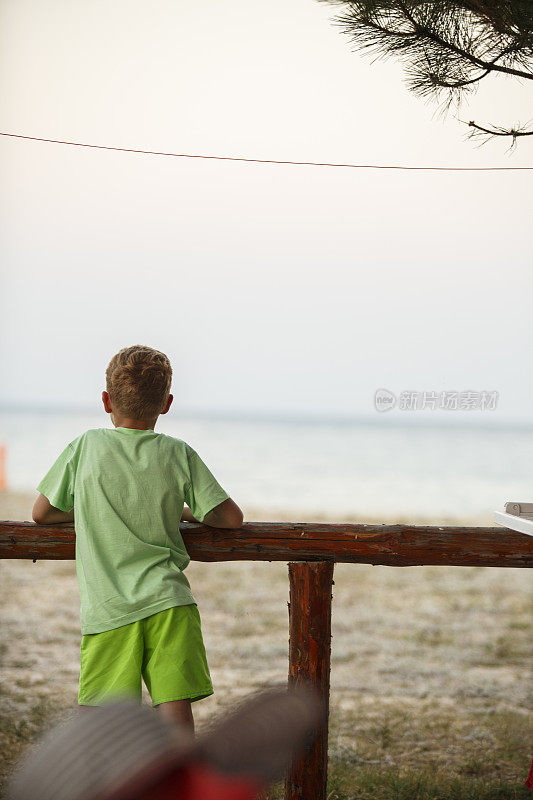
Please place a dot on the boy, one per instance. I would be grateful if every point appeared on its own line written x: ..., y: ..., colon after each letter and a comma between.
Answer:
x: 125, y: 487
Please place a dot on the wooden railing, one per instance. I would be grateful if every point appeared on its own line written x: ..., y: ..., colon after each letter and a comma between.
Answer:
x: 311, y: 549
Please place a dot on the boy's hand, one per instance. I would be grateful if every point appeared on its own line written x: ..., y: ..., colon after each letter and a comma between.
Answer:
x: 46, y: 514
x: 187, y: 516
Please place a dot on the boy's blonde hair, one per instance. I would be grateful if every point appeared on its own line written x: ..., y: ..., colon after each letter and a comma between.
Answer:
x: 138, y: 381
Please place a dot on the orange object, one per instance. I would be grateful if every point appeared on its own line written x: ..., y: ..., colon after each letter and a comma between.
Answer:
x: 3, y: 470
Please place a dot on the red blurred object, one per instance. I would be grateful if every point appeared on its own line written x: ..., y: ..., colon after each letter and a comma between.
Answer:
x: 529, y: 779
x: 201, y: 782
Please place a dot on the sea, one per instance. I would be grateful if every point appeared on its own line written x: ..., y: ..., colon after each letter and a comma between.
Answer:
x: 338, y: 470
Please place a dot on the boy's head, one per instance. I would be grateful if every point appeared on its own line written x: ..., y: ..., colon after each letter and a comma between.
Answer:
x: 138, y: 382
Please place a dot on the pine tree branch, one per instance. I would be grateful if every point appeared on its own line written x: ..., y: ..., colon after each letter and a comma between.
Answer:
x: 449, y: 45
x: 498, y: 131
x: 481, y: 131
x: 382, y: 29
x: 478, y: 62
x: 459, y: 84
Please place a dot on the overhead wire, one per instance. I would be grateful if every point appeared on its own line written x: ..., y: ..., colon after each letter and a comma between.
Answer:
x: 262, y: 160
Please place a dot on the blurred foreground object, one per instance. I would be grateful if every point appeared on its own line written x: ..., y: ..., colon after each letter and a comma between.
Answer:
x: 124, y: 751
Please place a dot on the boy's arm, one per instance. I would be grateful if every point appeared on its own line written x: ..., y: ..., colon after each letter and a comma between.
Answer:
x: 55, y: 503
x: 211, y: 503
x: 46, y: 514
x: 226, y: 515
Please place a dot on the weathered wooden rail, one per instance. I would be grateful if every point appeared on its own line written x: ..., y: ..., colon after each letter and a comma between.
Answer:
x: 391, y: 545
x: 311, y: 549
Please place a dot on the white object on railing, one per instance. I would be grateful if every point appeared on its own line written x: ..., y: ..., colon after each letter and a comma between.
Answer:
x: 517, y: 516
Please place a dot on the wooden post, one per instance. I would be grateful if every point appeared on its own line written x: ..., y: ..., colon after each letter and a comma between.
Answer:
x: 309, y: 662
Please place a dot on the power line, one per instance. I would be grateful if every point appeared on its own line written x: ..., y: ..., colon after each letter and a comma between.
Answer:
x: 262, y: 160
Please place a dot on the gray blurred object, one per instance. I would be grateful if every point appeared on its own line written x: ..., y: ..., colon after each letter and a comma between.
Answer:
x: 117, y: 750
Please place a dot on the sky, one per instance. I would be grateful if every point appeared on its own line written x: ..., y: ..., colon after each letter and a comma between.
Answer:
x: 273, y: 289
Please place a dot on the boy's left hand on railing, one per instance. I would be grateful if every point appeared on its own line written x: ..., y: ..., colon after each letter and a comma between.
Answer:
x: 187, y: 516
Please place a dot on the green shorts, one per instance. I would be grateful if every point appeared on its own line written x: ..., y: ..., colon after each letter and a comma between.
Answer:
x: 166, y: 648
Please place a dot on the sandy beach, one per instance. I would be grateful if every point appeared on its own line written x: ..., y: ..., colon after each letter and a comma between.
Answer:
x: 430, y: 665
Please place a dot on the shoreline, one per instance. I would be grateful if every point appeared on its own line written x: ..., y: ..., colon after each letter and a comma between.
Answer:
x: 16, y: 506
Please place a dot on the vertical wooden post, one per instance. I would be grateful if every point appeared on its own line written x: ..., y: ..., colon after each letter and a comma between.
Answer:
x: 309, y: 661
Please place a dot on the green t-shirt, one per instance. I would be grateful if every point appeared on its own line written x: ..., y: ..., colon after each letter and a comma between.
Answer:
x: 127, y: 488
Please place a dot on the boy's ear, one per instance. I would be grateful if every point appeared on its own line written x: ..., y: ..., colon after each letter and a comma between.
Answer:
x: 168, y: 403
x: 106, y: 401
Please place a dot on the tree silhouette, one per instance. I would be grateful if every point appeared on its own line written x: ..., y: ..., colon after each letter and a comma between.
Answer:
x: 447, y: 47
